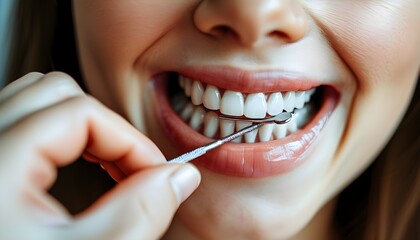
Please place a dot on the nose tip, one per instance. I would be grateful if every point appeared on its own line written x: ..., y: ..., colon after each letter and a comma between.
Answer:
x: 251, y: 23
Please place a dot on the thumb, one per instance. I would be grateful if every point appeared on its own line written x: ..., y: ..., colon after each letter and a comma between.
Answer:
x: 140, y: 207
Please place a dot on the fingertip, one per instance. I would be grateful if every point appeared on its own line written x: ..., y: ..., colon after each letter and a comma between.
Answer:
x: 184, y: 181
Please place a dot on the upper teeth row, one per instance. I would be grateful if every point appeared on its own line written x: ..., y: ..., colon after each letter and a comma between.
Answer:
x: 254, y: 105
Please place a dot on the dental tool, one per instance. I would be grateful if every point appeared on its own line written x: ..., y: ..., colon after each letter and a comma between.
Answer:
x: 280, y: 118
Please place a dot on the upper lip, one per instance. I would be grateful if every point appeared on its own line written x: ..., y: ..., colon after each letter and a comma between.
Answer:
x: 245, y: 81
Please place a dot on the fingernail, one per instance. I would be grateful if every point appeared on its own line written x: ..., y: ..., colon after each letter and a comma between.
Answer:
x: 184, y: 181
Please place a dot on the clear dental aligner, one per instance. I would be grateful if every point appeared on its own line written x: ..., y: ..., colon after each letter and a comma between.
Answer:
x: 200, y: 105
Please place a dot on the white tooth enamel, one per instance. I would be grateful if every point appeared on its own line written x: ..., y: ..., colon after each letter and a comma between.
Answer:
x: 188, y: 87
x: 181, y: 81
x: 303, y: 115
x: 226, y: 127
x: 299, y: 99
x: 291, y: 126
x: 197, y: 93
x: 289, y: 101
x: 197, y: 118
x: 275, y: 104
x: 211, y: 98
x: 311, y: 91
x: 186, y: 113
x: 211, y: 124
x: 255, y: 106
x: 249, y: 137
x: 241, y: 125
x: 232, y: 103
x: 279, y: 131
x: 307, y: 97
x: 178, y: 102
x: 265, y: 132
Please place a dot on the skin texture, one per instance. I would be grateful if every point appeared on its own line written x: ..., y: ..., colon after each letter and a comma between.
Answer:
x: 36, y: 139
x: 367, y: 50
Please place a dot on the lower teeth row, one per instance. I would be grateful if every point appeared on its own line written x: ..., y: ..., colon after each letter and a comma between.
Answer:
x: 209, y: 124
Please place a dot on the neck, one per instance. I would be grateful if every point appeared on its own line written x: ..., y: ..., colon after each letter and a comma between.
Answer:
x: 320, y: 227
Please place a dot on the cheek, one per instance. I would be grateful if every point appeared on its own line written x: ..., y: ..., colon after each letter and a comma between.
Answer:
x: 112, y: 36
x: 378, y: 40
x: 379, y: 43
x: 116, y: 33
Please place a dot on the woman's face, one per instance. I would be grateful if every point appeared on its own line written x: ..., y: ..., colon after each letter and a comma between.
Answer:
x: 253, y: 60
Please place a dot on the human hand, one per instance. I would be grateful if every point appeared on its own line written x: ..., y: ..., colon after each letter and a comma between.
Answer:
x: 46, y: 121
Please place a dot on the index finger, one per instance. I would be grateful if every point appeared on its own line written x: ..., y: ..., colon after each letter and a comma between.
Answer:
x: 57, y: 135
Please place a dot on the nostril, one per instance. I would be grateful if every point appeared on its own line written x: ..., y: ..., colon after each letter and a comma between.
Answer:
x: 278, y: 35
x: 224, y: 31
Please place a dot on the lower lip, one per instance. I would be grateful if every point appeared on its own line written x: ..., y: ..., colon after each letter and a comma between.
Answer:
x: 245, y: 160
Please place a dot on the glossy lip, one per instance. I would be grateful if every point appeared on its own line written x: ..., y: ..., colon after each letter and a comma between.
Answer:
x: 245, y: 160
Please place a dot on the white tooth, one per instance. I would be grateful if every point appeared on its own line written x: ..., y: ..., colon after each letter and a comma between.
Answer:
x: 291, y: 127
x: 197, y: 118
x: 211, y: 98
x: 275, y: 104
x: 299, y: 99
x: 265, y: 132
x: 255, y: 105
x: 311, y: 91
x: 279, y: 131
x: 178, y: 102
x: 197, y: 93
x: 188, y: 86
x: 307, y: 96
x: 186, y: 113
x: 232, y: 103
x: 241, y: 125
x: 181, y: 81
x: 211, y: 124
x: 249, y: 137
x: 289, y: 101
x: 303, y: 115
x: 226, y: 127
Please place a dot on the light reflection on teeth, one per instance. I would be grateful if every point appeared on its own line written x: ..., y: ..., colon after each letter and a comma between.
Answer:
x: 199, y: 112
x: 279, y: 131
x: 227, y: 127
x: 291, y: 127
x: 265, y: 132
x: 232, y: 104
x: 275, y: 104
x: 197, y: 118
x: 299, y: 99
x: 255, y: 106
x: 211, y: 124
x: 187, y: 112
x: 289, y: 101
x: 249, y: 137
x: 211, y: 98
x: 197, y: 91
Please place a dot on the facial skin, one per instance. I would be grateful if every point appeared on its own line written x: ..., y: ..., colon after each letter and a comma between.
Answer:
x: 367, y: 50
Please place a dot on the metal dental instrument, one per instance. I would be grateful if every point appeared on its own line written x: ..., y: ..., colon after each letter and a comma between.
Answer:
x: 281, y: 118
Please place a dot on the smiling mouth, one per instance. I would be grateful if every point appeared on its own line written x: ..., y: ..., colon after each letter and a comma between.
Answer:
x: 199, y: 105
x: 189, y: 102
